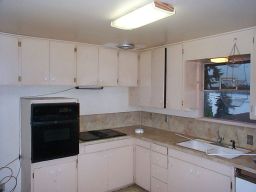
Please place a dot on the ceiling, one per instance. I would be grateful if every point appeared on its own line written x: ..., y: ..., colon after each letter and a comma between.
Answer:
x: 89, y: 21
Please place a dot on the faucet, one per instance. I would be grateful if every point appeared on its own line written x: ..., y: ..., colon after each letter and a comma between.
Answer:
x: 233, y: 144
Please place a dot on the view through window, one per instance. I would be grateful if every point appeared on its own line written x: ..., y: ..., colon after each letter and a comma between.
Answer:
x: 227, y: 89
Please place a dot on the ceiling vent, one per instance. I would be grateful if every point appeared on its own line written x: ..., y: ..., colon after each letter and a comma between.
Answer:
x: 126, y: 46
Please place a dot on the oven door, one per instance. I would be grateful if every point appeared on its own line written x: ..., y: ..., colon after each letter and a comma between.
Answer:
x: 52, y: 140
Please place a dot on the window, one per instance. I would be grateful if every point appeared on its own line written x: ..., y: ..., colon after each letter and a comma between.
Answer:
x: 227, y: 89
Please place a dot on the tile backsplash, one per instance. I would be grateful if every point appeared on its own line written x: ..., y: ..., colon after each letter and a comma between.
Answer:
x: 188, y: 126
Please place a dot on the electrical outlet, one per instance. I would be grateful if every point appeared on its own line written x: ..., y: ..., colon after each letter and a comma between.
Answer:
x: 249, y: 139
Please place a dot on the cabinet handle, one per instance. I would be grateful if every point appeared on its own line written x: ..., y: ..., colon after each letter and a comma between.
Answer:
x: 19, y: 78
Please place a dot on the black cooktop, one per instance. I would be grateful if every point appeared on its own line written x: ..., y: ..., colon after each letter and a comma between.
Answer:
x: 99, y: 134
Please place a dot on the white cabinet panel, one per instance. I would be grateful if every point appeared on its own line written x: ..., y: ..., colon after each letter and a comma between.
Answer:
x: 120, y: 167
x: 87, y: 65
x: 35, y: 61
x: 128, y: 69
x: 218, y: 46
x: 9, y: 60
x: 108, y: 66
x: 253, y: 80
x: 56, y: 178
x: 62, y: 63
x: 142, y: 167
x: 174, y: 77
x: 158, y: 186
x: 93, y: 172
x: 157, y: 78
x: 195, y: 178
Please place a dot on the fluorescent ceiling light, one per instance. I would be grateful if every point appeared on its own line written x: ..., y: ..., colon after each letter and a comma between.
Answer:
x: 142, y: 16
x: 219, y: 60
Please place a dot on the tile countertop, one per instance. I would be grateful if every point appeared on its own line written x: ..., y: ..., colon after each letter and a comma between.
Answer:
x: 170, y: 139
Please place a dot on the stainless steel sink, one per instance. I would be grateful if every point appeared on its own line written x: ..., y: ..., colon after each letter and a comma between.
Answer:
x: 211, y: 149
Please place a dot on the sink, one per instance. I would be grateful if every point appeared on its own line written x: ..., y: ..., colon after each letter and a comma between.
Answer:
x: 211, y: 149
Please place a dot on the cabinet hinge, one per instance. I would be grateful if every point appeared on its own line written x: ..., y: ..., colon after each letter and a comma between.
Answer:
x: 77, y: 163
x: 19, y: 78
x: 75, y: 80
x: 253, y: 40
x: 19, y: 43
x: 33, y: 175
x: 231, y: 185
x: 75, y: 49
x: 182, y: 103
x: 117, y: 80
x: 182, y: 51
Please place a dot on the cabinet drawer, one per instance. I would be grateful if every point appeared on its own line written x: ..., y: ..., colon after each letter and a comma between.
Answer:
x: 141, y: 143
x: 159, y: 149
x: 158, y: 186
x: 159, y: 159
x: 159, y: 173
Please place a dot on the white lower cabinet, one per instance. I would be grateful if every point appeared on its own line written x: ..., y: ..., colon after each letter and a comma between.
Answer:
x: 105, y: 166
x: 61, y: 177
x: 190, y: 173
x: 142, y: 167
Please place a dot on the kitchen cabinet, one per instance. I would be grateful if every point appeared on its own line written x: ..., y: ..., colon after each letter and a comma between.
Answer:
x: 105, y: 166
x: 157, y: 78
x: 35, y: 61
x: 108, y: 67
x: 128, y: 69
x: 62, y: 63
x: 142, y: 164
x: 9, y: 60
x: 87, y: 65
x: 61, y: 177
x: 174, y: 92
x: 218, y: 46
x: 197, y: 174
x: 253, y: 80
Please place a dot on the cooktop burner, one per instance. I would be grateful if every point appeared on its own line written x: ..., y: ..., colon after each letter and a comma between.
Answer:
x: 100, y: 134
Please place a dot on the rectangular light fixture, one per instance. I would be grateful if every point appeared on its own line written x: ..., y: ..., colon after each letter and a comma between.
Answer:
x: 219, y: 60
x: 142, y: 16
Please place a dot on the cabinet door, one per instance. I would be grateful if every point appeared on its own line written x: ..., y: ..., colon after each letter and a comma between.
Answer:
x: 93, y: 172
x: 142, y: 167
x: 195, y: 178
x: 62, y: 63
x: 9, y: 60
x: 67, y: 177
x: 108, y: 65
x: 128, y: 69
x: 120, y: 167
x: 218, y: 46
x: 157, y: 77
x: 87, y: 65
x: 253, y: 80
x: 174, y: 77
x: 35, y: 61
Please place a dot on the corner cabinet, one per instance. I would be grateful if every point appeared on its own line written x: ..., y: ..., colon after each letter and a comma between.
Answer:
x: 128, y: 69
x: 197, y: 174
x: 59, y: 177
x: 62, y: 63
x: 253, y: 79
x: 9, y: 60
x: 108, y: 67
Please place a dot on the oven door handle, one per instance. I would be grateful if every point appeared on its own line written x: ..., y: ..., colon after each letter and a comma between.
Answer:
x: 53, y: 122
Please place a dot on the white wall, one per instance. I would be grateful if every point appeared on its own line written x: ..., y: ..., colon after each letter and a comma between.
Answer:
x: 108, y: 100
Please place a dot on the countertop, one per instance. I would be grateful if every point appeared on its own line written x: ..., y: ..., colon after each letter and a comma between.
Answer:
x: 170, y: 140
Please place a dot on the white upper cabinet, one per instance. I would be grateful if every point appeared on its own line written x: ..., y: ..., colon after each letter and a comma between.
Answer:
x: 108, y: 67
x: 253, y: 80
x: 157, y: 77
x: 128, y: 69
x: 174, y: 77
x: 9, y: 60
x: 87, y: 65
x: 35, y: 61
x: 62, y: 63
x: 218, y: 46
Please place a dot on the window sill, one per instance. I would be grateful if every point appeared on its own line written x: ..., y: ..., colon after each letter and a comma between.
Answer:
x: 226, y: 122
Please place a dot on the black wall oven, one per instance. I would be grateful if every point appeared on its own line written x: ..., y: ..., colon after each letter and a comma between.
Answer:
x: 54, y: 130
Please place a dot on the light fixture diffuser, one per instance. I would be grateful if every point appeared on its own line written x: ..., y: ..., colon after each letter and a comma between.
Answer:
x: 142, y: 16
x: 219, y: 60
